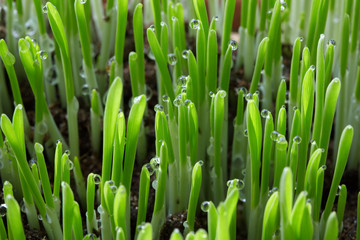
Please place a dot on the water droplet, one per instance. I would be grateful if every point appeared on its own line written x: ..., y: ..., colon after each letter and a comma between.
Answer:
x: 43, y: 55
x: 97, y: 179
x: 16, y: 30
x: 295, y: 108
x: 332, y: 42
x: 40, y: 217
x: 83, y: 1
x: 150, y: 168
x: 201, y: 162
x: 186, y: 224
x: 152, y: 28
x: 275, y: 189
x: 39, y: 148
x: 222, y: 93
x: 322, y: 150
x: 183, y: 90
x: 30, y: 27
x: 182, y: 80
x: 297, y: 139
x: 205, y: 206
x: 85, y: 91
x: 323, y: 167
x: 165, y: 98
x: 216, y: 18
x: 51, y: 75
x: 154, y: 184
x: 91, y: 236
x: 301, y: 39
x: 158, y: 107
x: 22, y: 206
x: 113, y: 189
x: 194, y: 24
x: 265, y: 113
x: 313, y: 142
x: 312, y: 67
x: 43, y: 129
x: 245, y: 133
x: 210, y: 150
x: 211, y: 94
x: 249, y: 97
x: 233, y: 44
x: 274, y: 136
x: 338, y: 191
x: 3, y: 210
x: 148, y: 92
x: 45, y: 9
x: 174, y: 18
x: 32, y: 161
x: 172, y: 59
x: 187, y: 103
x: 67, y: 152
x: 155, y: 163
x: 177, y: 102
x: 69, y: 164
x: 185, y: 54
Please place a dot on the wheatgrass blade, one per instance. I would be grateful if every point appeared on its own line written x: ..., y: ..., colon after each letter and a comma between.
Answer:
x: 57, y: 28
x: 194, y: 195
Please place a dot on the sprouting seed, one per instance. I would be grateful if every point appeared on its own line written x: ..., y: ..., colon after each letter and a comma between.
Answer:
x: 97, y: 179
x: 158, y: 107
x: 194, y: 24
x: 297, y: 139
x: 205, y: 206
x: 185, y: 54
x: 233, y: 44
x: 172, y: 59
